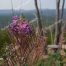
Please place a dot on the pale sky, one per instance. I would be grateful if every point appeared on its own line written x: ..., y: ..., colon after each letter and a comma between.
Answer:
x: 27, y: 4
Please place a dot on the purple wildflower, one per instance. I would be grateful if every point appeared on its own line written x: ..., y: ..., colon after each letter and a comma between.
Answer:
x: 15, y: 18
x: 20, y: 26
x: 26, y: 28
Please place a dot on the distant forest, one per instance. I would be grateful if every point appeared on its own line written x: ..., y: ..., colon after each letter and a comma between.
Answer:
x: 47, y: 16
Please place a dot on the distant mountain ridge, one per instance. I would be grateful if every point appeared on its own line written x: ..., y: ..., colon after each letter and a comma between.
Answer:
x: 45, y: 12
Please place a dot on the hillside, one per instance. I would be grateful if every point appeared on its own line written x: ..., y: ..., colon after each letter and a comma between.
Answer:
x: 48, y: 15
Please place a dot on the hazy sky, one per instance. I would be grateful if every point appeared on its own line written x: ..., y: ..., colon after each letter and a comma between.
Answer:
x: 27, y: 4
